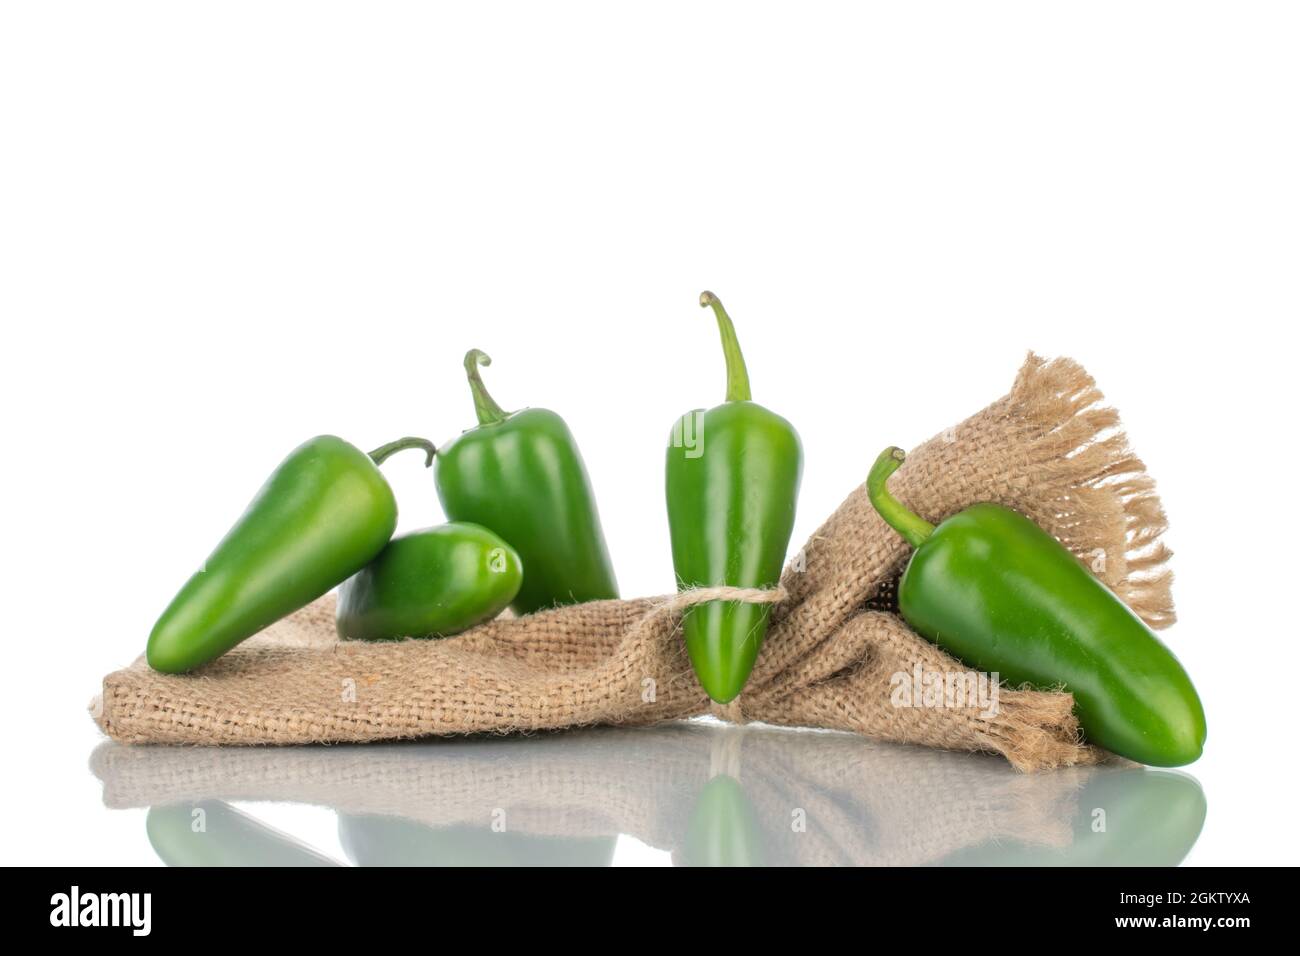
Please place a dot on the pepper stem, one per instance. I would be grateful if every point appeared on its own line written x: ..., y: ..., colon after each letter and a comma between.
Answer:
x: 910, y: 525
x: 488, y: 411
x: 382, y: 453
x: 737, y: 374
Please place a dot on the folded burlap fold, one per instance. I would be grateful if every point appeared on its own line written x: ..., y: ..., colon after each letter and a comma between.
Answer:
x: 833, y: 658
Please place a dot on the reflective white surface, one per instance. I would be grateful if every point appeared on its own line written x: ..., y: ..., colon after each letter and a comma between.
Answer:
x: 698, y: 793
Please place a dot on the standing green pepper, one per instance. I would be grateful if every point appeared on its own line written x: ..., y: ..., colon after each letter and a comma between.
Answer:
x: 431, y: 583
x: 994, y: 589
x: 520, y: 474
x: 320, y: 518
x: 732, y: 482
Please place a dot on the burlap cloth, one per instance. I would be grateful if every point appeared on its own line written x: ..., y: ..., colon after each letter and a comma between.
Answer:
x: 1049, y: 449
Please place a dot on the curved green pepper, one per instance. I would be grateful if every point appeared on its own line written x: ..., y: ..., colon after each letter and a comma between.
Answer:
x: 431, y: 583
x: 521, y: 475
x: 994, y: 589
x: 320, y: 517
x: 732, y: 482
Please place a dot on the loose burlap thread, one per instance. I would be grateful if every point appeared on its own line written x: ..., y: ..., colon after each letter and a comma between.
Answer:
x: 1050, y: 449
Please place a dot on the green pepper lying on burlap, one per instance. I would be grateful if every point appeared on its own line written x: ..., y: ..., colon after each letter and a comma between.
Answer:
x: 320, y: 517
x: 431, y: 583
x: 992, y: 588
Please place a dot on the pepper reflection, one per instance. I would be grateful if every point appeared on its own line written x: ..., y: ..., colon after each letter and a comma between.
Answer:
x: 213, y: 833
x: 708, y: 794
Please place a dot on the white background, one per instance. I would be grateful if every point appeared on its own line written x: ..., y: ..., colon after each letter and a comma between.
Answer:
x: 227, y: 227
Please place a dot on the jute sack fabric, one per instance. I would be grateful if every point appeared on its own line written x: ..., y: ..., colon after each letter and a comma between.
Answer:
x: 833, y: 657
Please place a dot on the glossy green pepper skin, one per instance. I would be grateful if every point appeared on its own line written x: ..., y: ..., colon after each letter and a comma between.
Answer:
x: 320, y: 518
x: 995, y: 590
x: 521, y: 475
x: 431, y: 583
x: 732, y: 481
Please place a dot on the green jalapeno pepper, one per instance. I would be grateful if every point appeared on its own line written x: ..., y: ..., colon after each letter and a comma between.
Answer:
x: 320, y: 517
x: 431, y: 583
x: 732, y: 482
x: 994, y: 589
x: 521, y: 474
